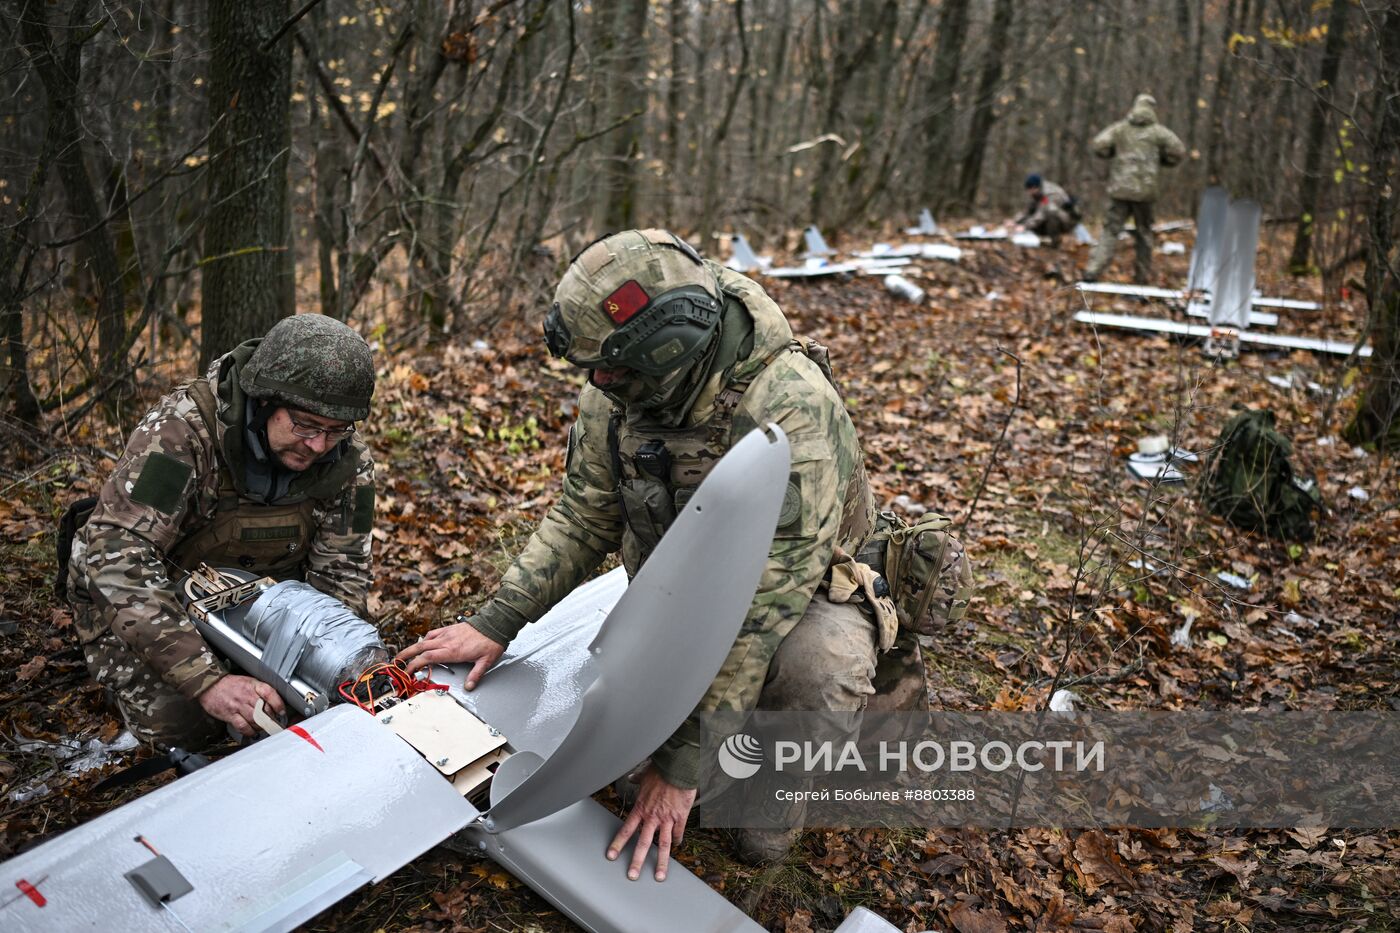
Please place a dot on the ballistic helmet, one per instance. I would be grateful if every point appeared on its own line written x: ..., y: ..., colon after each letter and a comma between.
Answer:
x: 1032, y: 181
x: 640, y: 300
x: 314, y: 363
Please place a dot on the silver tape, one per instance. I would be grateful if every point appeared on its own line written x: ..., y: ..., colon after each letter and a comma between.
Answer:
x: 306, y: 633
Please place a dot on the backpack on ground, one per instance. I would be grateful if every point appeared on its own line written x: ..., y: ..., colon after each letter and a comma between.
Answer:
x: 928, y: 574
x: 1249, y: 480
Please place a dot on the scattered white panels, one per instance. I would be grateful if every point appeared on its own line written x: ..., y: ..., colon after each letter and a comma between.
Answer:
x: 1256, y: 318
x: 1194, y: 308
x: 1230, y: 302
x: 816, y: 244
x: 1210, y: 226
x: 982, y: 233
x: 942, y: 251
x: 1157, y: 325
x: 885, y: 251
x: 1153, y: 325
x: 744, y: 259
x: 926, y: 226
x: 1291, y: 304
x: 881, y: 266
x: 812, y: 269
x: 1082, y: 235
x: 1026, y: 239
x: 1339, y: 347
x: 1132, y: 291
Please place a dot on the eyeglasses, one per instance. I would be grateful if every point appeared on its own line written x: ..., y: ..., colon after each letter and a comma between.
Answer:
x: 310, y: 432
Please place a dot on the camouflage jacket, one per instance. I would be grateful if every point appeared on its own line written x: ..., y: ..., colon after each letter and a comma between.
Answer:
x: 172, y: 484
x: 1139, y: 147
x: 587, y: 523
x: 1052, y: 199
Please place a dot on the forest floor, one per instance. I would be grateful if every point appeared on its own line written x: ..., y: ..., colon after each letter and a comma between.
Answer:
x: 470, y: 439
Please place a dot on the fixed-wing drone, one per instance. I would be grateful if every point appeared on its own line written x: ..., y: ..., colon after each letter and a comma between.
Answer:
x: 268, y: 837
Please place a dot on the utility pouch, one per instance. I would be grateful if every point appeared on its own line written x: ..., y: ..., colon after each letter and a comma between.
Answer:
x: 928, y: 573
x: 650, y: 510
x: 74, y: 517
x: 847, y: 577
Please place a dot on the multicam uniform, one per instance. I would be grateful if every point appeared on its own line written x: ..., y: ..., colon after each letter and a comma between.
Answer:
x: 176, y: 498
x: 1139, y: 147
x: 793, y: 651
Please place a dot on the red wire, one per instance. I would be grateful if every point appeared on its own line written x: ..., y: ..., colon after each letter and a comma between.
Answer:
x: 404, y: 684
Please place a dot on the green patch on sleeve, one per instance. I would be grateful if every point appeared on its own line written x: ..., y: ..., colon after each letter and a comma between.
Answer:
x: 161, y: 483
x: 363, y: 521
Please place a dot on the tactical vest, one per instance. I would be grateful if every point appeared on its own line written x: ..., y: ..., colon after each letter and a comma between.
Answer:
x: 272, y: 540
x: 659, y: 467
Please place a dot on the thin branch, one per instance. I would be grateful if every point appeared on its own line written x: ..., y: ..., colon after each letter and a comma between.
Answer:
x: 296, y: 17
x: 991, y: 460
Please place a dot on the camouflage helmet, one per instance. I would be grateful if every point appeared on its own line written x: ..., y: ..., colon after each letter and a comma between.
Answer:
x: 641, y: 300
x: 314, y: 363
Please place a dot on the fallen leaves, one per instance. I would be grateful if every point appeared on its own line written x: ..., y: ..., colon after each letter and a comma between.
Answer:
x: 1097, y: 863
x: 31, y: 668
x: 967, y: 919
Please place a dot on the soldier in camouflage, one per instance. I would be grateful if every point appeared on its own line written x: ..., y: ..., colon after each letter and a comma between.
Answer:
x: 1137, y: 147
x: 254, y: 466
x: 684, y: 358
x: 1051, y: 212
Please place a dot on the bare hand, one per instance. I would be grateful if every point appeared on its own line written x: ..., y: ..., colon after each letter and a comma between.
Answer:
x: 454, y: 644
x: 661, y: 811
x: 233, y: 697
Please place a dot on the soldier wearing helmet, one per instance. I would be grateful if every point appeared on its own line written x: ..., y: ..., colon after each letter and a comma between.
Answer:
x: 257, y: 466
x: 684, y: 358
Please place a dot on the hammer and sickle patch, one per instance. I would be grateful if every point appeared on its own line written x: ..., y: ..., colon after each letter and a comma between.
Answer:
x: 625, y: 301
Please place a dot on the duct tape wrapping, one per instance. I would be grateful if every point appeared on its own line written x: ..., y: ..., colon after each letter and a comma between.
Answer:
x: 304, y: 632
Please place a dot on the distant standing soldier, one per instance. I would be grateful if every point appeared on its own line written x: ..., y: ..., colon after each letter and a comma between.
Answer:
x: 1138, y: 147
x: 1050, y: 213
x: 256, y: 466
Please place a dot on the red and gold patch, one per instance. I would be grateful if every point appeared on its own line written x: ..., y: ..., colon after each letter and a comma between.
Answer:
x: 622, y: 304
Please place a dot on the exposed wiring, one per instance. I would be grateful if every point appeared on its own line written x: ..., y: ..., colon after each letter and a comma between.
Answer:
x: 397, y: 683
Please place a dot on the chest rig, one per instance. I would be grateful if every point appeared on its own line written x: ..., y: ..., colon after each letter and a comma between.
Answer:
x: 269, y: 540
x: 659, y: 467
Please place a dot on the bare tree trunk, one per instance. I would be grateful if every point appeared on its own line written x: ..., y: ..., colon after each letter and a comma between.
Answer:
x: 709, y: 200
x: 1224, y: 78
x: 984, y: 111
x: 856, y: 19
x: 249, y: 277
x: 1377, y: 418
x: 60, y: 71
x: 938, y: 125
x: 674, y: 82
x: 1298, y: 260
x: 621, y: 178
x: 1193, y: 111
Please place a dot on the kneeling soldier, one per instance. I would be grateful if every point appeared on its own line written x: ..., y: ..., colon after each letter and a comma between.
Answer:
x: 254, y: 466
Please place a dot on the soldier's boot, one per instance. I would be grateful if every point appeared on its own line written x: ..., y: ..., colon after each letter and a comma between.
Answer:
x: 783, y: 819
x: 764, y: 846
